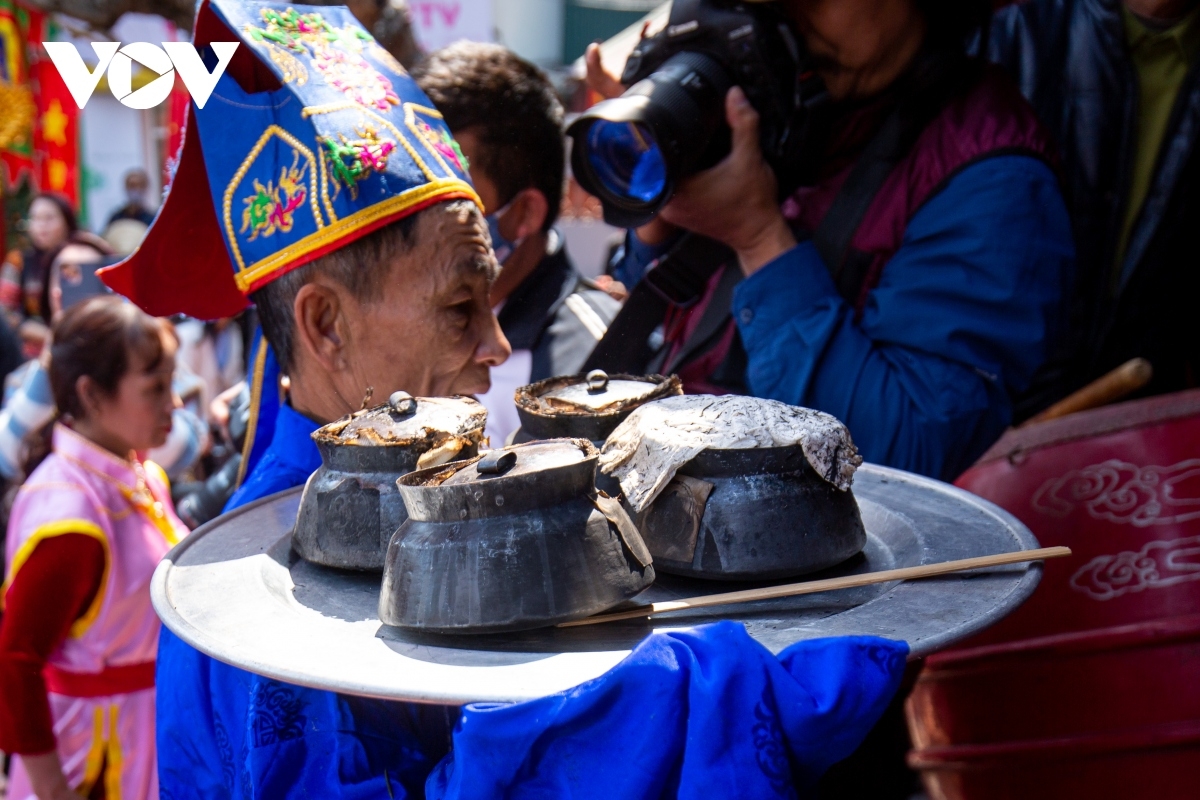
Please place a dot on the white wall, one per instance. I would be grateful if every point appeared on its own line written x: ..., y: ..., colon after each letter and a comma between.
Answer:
x: 533, y: 29
x: 115, y: 139
x: 437, y: 23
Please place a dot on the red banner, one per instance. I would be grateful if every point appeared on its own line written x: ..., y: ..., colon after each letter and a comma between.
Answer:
x: 18, y: 106
x: 56, y: 136
x: 39, y: 121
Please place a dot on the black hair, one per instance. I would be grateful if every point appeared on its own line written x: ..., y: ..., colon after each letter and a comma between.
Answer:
x: 96, y: 338
x: 64, y: 208
x: 511, y: 106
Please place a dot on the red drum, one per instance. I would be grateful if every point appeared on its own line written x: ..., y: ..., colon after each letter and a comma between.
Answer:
x: 1091, y: 687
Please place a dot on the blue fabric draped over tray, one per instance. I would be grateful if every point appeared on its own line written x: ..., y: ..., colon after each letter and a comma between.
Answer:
x: 697, y: 713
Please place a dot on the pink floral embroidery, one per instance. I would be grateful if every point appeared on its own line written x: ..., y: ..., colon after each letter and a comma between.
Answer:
x: 442, y: 142
x: 352, y: 160
x: 336, y: 53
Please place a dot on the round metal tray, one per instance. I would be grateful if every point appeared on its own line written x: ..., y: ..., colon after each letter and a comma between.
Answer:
x: 235, y: 590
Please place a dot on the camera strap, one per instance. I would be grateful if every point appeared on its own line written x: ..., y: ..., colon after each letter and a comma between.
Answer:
x: 929, y: 87
x: 677, y: 278
x: 680, y: 276
x: 833, y: 235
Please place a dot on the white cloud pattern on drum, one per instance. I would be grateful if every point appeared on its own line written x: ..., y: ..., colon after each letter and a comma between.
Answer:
x: 1121, y: 492
x: 1155, y: 566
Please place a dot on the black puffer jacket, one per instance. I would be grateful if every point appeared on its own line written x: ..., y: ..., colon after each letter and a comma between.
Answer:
x: 557, y: 314
x: 1071, y: 60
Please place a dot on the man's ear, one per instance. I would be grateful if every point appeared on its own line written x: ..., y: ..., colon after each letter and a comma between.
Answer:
x: 531, y: 209
x: 320, y: 325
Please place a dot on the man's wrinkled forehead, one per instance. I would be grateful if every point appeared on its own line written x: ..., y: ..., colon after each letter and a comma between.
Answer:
x: 460, y: 236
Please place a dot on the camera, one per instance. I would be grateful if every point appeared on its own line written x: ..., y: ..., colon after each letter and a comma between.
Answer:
x: 632, y: 151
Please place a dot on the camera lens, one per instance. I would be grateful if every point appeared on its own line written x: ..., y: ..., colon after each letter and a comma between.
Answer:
x: 626, y: 158
x: 632, y: 151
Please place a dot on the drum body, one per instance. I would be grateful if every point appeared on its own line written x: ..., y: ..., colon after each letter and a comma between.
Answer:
x: 1088, y: 689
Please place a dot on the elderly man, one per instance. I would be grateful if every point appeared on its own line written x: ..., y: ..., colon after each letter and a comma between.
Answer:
x: 504, y: 112
x: 339, y: 204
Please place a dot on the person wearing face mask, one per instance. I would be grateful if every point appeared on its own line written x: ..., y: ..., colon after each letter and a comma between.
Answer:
x: 506, y: 117
x: 137, y: 192
x: 369, y: 265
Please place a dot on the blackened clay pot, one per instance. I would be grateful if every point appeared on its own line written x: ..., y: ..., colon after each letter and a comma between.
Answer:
x: 753, y: 514
x: 514, y: 540
x: 351, y: 506
x: 586, y: 407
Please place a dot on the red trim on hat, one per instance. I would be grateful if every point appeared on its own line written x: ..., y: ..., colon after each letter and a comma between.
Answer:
x: 358, y: 232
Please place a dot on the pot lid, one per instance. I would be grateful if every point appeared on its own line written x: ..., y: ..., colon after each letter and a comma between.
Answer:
x: 406, y: 420
x: 646, y: 450
x: 523, y: 459
x: 595, y: 393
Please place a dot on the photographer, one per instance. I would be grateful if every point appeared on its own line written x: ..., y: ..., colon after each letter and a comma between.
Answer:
x: 913, y: 286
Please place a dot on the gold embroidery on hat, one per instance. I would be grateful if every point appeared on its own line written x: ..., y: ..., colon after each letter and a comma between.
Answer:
x: 244, y: 167
x: 270, y: 208
x: 336, y: 53
x: 440, y: 145
x: 325, y: 181
x: 289, y: 65
x: 353, y: 160
x: 387, y: 59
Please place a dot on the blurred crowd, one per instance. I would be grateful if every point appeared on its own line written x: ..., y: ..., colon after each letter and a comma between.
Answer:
x: 1026, y: 234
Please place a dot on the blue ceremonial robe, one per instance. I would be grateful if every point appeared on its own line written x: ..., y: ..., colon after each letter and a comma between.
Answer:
x: 695, y: 714
x: 227, y: 733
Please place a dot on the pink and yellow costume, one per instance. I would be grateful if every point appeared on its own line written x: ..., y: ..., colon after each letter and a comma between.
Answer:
x: 100, y: 679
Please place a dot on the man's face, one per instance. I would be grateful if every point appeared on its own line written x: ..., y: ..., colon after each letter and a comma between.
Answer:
x: 136, y: 185
x: 431, y: 331
x: 859, y: 45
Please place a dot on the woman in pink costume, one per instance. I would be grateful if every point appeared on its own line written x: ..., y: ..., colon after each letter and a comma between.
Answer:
x: 78, y: 637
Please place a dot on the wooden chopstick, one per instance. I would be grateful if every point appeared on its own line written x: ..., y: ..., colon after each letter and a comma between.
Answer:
x: 827, y: 585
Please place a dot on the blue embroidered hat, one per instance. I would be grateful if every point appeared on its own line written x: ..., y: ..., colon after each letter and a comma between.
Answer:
x: 314, y: 136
